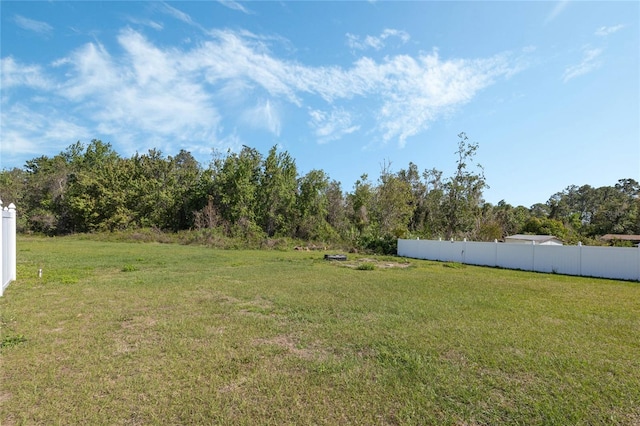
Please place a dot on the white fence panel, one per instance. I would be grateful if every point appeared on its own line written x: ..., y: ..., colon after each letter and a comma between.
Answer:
x: 603, y: 262
x: 416, y: 248
x: 515, y: 256
x: 557, y: 259
x: 483, y: 254
x: 7, y: 246
x: 611, y: 262
x: 452, y: 251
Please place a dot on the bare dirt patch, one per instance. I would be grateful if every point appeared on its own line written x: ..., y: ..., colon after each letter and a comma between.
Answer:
x: 290, y: 345
x: 381, y: 264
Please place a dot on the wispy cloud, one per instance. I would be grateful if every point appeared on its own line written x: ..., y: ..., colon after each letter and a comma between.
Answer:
x: 146, y: 22
x: 332, y: 125
x: 179, y: 15
x: 28, y: 130
x: 264, y: 115
x: 176, y: 13
x: 234, y: 5
x: 558, y: 8
x: 182, y: 97
x: 605, y: 31
x: 15, y: 74
x: 33, y: 25
x: 375, y: 42
x: 589, y: 63
x: 142, y: 93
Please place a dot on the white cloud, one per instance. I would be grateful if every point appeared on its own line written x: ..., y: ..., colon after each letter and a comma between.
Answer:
x: 175, y: 97
x: 233, y: 57
x: 234, y: 5
x: 146, y: 22
x: 331, y: 125
x: 605, y: 31
x: 33, y: 25
x: 410, y: 93
x: 144, y: 92
x: 34, y: 132
x: 264, y: 116
x: 556, y: 11
x: 93, y: 71
x: 14, y: 74
x: 177, y: 14
x: 375, y: 42
x: 589, y: 63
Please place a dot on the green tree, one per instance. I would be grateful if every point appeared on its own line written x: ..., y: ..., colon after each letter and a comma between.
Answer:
x: 152, y: 182
x: 186, y: 191
x: 394, y: 204
x: 44, y: 197
x: 511, y: 220
x: 463, y: 192
x: 234, y: 188
x: 277, y: 190
x: 433, y: 222
x: 12, y: 190
x: 337, y: 208
x: 360, y: 204
x: 418, y: 196
x: 96, y: 194
x: 545, y: 226
x: 312, y: 205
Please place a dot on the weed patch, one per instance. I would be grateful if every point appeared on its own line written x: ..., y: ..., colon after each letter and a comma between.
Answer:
x: 367, y: 266
x: 10, y: 341
x: 129, y: 268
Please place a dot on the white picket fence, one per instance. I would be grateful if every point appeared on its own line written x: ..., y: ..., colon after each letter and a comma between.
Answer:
x: 8, y: 246
x: 604, y: 262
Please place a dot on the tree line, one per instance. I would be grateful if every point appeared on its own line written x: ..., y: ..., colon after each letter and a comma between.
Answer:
x: 253, y: 196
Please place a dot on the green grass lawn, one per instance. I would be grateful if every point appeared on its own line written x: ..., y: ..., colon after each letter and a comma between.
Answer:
x: 126, y: 333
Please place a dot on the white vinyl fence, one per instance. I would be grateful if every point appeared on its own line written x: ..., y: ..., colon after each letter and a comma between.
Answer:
x: 604, y: 262
x: 8, y: 246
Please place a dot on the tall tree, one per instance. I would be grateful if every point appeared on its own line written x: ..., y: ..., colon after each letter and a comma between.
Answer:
x: 234, y: 190
x: 312, y: 205
x: 277, y: 190
x: 45, y: 191
x: 394, y: 204
x: 361, y: 204
x: 418, y: 196
x: 433, y: 224
x: 461, y: 204
x: 337, y: 208
x: 97, y: 190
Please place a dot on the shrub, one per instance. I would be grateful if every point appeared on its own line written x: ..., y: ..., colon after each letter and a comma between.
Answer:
x: 367, y: 266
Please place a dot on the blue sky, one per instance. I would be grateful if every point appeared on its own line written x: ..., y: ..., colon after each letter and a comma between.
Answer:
x: 549, y: 90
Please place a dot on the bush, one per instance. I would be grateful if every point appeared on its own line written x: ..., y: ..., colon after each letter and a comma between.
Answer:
x: 387, y: 244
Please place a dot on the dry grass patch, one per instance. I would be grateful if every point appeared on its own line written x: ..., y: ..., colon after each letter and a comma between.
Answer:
x: 381, y: 263
x: 290, y: 345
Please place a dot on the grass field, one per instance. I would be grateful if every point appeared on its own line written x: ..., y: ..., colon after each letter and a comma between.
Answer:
x: 126, y: 333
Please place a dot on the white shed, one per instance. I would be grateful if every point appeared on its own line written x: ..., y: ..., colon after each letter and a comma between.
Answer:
x: 541, y: 240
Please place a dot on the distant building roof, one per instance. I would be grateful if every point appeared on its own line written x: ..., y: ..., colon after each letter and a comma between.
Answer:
x: 537, y: 239
x: 623, y: 237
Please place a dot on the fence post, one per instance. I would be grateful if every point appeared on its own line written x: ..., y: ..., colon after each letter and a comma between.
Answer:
x: 2, y: 265
x: 7, y: 246
x: 533, y: 256
x: 464, y: 251
x: 11, y: 238
x: 638, y: 277
x: 579, y: 258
